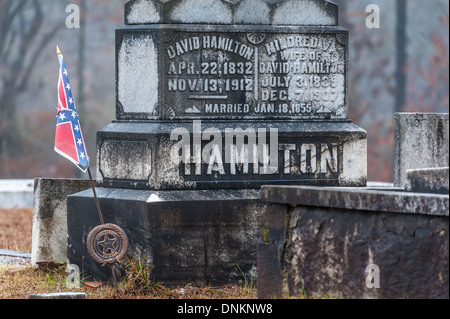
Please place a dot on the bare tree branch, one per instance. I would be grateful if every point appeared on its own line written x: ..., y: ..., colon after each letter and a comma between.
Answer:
x: 7, y: 17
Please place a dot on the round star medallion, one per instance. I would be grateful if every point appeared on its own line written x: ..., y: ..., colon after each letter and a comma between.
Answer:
x: 107, y: 244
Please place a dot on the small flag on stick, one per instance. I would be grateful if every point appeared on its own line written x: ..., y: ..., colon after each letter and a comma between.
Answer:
x: 69, y: 141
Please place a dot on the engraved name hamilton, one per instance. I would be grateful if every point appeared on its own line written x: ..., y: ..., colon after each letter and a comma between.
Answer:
x: 252, y: 152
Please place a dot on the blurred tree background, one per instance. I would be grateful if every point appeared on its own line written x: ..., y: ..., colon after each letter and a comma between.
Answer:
x: 29, y: 33
x: 401, y: 66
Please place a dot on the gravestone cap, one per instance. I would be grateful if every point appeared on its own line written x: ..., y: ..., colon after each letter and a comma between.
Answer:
x: 258, y: 12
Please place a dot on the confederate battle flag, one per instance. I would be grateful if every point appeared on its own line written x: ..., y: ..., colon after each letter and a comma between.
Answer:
x: 69, y: 141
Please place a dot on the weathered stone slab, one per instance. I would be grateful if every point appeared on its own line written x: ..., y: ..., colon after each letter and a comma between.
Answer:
x: 12, y: 253
x: 200, y: 237
x: 321, y: 241
x: 60, y: 295
x: 421, y: 141
x: 232, y: 72
x: 49, y: 240
x: 359, y: 199
x: 428, y: 180
x: 212, y: 155
x: 274, y: 12
x: 15, y: 258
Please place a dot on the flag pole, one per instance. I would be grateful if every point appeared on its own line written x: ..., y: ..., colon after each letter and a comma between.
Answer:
x: 97, y: 203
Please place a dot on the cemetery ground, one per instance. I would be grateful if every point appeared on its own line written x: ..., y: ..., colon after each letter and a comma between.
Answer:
x: 18, y: 281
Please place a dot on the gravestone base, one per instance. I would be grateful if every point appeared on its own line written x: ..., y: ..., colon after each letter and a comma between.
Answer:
x: 201, y: 237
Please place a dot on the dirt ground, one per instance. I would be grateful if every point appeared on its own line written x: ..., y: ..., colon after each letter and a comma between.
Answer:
x: 20, y: 282
x: 16, y: 229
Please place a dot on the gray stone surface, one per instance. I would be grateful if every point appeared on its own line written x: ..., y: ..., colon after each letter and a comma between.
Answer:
x: 12, y: 253
x: 49, y: 236
x: 274, y: 12
x: 428, y: 180
x: 321, y: 240
x: 15, y: 258
x: 59, y: 295
x: 421, y: 141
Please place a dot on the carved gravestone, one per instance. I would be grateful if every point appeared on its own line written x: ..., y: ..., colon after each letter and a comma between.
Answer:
x: 421, y: 141
x: 256, y: 91
x: 214, y: 99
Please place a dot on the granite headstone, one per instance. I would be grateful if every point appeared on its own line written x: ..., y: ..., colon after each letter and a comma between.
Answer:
x: 214, y: 99
x: 231, y: 94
